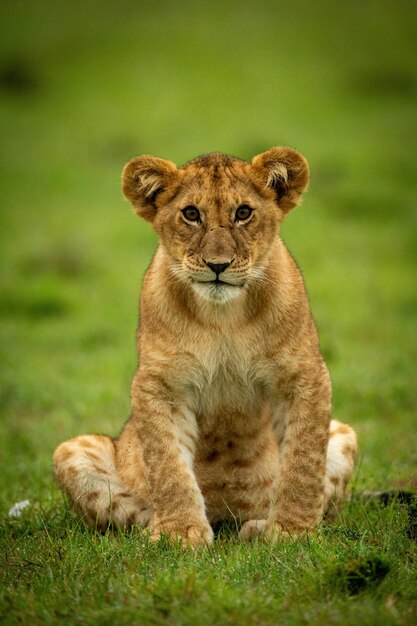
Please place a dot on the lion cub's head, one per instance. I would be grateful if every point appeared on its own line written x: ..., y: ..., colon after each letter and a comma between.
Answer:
x: 217, y: 216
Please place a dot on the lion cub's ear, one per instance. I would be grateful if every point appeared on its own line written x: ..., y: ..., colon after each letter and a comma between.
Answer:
x: 285, y: 171
x: 143, y: 179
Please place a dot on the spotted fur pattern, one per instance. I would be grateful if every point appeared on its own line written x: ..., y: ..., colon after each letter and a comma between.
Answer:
x: 231, y: 402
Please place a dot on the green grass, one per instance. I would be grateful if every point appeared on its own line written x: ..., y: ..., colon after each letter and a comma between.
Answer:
x: 361, y: 571
x: 83, y: 88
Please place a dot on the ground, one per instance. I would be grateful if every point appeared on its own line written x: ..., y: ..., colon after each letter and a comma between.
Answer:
x: 83, y: 88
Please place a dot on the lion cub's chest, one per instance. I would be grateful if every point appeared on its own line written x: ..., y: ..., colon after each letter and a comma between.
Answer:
x: 226, y: 378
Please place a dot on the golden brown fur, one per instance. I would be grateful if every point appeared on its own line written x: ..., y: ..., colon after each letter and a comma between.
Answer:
x: 231, y: 401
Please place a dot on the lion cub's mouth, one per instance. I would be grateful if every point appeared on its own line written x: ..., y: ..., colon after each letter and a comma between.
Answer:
x: 217, y: 283
x: 217, y: 290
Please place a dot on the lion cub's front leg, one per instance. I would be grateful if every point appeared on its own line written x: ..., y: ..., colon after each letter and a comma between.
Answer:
x: 298, y: 491
x: 167, y: 437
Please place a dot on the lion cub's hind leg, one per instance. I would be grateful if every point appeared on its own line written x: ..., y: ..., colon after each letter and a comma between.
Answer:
x: 85, y: 469
x: 341, y: 455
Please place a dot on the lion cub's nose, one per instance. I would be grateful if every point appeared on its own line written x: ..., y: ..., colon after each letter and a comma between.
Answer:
x: 218, y: 268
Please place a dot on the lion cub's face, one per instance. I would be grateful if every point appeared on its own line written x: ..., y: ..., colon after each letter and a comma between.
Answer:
x: 217, y: 216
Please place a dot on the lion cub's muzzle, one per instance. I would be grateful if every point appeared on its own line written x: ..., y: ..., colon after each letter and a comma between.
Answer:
x: 221, y: 275
x: 218, y: 268
x: 217, y: 277
x: 219, y: 271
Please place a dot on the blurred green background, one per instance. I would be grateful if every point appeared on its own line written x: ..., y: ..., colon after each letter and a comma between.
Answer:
x: 85, y: 86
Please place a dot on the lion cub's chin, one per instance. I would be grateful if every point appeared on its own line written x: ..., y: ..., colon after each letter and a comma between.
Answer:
x: 219, y: 293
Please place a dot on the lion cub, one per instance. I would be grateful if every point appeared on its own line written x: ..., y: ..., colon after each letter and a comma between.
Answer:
x: 231, y: 401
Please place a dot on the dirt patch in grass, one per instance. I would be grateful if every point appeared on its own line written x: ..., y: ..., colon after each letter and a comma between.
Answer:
x: 358, y: 574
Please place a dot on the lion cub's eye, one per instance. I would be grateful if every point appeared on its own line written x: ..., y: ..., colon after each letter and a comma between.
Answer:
x: 243, y: 213
x: 191, y: 214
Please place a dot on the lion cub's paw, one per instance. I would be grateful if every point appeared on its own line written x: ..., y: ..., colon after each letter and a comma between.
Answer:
x: 253, y: 528
x: 189, y: 536
x: 271, y: 533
